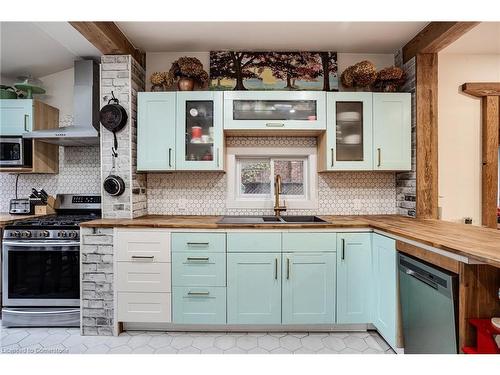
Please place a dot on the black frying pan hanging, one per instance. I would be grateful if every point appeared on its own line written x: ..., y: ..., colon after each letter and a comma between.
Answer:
x: 113, y: 117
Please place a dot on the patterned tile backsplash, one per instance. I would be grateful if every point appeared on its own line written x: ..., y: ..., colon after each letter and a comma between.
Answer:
x: 79, y: 172
x: 204, y: 193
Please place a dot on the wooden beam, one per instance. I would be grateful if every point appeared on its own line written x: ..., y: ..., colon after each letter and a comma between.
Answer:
x: 489, y: 187
x: 434, y: 37
x: 109, y: 39
x: 481, y: 89
x: 427, y: 136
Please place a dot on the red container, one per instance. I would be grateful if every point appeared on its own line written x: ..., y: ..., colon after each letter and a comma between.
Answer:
x: 196, y: 132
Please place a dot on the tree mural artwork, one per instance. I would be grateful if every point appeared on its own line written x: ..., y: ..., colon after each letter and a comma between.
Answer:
x: 293, y: 70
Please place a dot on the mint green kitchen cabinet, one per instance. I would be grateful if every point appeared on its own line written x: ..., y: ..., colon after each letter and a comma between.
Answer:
x: 156, y: 131
x: 253, y: 288
x: 385, y: 279
x: 200, y: 139
x: 16, y: 116
x: 271, y: 111
x: 200, y: 242
x: 248, y: 242
x: 349, y: 132
x: 308, y: 288
x: 354, y: 278
x: 199, y: 305
x: 391, y: 131
x: 309, y: 241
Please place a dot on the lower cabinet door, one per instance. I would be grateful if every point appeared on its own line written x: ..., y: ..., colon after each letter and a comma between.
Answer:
x: 308, y: 288
x: 354, y: 278
x: 385, y: 278
x: 199, y: 305
x: 254, y: 288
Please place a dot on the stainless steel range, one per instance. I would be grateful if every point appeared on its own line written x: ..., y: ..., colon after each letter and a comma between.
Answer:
x: 41, y: 265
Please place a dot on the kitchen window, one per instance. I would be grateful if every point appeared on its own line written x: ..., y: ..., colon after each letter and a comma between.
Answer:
x: 252, y: 172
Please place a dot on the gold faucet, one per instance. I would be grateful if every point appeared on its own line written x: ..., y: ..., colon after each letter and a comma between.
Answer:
x: 277, y: 192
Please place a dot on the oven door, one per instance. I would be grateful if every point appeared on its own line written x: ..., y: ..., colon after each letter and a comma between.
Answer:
x: 37, y: 273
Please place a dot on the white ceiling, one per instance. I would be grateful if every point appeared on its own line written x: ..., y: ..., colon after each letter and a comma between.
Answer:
x: 484, y: 39
x: 40, y: 48
x: 355, y: 37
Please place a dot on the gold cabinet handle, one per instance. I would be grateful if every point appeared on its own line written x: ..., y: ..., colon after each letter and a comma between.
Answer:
x: 142, y: 256
x: 276, y: 268
x: 201, y: 259
x: 343, y: 249
x: 275, y: 125
x: 197, y: 243
x: 217, y: 156
x: 26, y: 117
x: 333, y: 157
x: 170, y: 157
x: 379, y: 157
x: 287, y: 268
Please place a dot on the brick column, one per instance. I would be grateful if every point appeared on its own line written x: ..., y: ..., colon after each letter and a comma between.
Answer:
x: 97, y: 286
x: 125, y: 77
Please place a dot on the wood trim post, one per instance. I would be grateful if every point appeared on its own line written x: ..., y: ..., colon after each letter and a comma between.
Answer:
x: 489, y: 188
x: 427, y: 135
x: 489, y: 92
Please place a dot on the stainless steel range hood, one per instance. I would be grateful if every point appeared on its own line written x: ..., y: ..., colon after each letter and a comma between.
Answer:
x: 84, y: 132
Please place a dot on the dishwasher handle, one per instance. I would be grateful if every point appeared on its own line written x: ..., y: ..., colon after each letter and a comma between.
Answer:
x: 421, y: 278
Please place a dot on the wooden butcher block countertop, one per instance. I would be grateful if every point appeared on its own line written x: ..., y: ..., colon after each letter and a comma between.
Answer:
x: 6, y: 218
x: 481, y: 244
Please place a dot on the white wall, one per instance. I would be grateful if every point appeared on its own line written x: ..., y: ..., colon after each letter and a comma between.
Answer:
x: 59, y: 91
x: 161, y: 61
x: 459, y: 134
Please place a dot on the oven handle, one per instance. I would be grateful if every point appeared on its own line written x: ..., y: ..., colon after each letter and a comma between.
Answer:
x: 42, y: 244
x: 39, y: 312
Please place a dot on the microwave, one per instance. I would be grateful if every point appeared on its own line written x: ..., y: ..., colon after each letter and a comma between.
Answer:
x: 15, y: 151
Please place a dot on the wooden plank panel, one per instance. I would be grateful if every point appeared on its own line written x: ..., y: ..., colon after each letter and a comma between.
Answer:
x: 490, y: 129
x: 478, y: 298
x: 45, y: 155
x: 427, y: 136
x: 428, y: 256
x: 109, y: 39
x: 436, y: 36
x: 480, y: 89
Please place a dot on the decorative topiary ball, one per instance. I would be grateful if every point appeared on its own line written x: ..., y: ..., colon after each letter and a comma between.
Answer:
x: 157, y: 78
x: 364, y: 73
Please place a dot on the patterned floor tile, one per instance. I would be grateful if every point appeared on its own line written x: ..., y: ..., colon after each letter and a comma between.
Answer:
x: 68, y: 340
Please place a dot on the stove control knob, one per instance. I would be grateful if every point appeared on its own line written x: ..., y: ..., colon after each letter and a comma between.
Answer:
x: 17, y: 233
x: 26, y: 234
x: 73, y: 234
x: 45, y: 233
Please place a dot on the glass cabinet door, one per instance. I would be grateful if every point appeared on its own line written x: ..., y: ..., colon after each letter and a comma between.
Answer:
x: 199, y: 122
x: 274, y: 109
x: 350, y: 131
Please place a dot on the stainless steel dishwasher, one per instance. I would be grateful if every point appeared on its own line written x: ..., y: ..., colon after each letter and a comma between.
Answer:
x: 429, y: 307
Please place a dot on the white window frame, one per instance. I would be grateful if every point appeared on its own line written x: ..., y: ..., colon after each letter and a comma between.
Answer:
x: 309, y: 201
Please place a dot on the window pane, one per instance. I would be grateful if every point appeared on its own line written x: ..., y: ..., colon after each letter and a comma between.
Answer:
x: 255, y: 177
x: 292, y: 176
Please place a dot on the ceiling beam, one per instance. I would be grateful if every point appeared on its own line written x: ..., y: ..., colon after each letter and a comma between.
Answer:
x: 434, y: 37
x: 109, y: 39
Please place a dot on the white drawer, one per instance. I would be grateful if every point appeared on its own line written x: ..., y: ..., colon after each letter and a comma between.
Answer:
x: 143, y: 245
x: 143, y: 277
x: 144, y: 307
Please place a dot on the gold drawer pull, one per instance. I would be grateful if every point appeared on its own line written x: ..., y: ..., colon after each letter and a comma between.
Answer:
x: 201, y: 259
x: 142, y: 256
x: 197, y: 243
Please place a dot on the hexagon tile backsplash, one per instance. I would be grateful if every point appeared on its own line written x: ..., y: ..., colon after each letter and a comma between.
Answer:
x: 204, y: 193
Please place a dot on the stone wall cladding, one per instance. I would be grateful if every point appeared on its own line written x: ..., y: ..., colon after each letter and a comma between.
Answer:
x: 406, y: 182
x: 97, y: 287
x: 122, y: 75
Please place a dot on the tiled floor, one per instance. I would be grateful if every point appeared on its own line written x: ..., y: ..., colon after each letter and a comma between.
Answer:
x: 68, y: 340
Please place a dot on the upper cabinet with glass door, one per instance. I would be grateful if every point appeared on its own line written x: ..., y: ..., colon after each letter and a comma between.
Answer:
x: 274, y: 110
x: 348, y: 142
x: 199, y: 144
